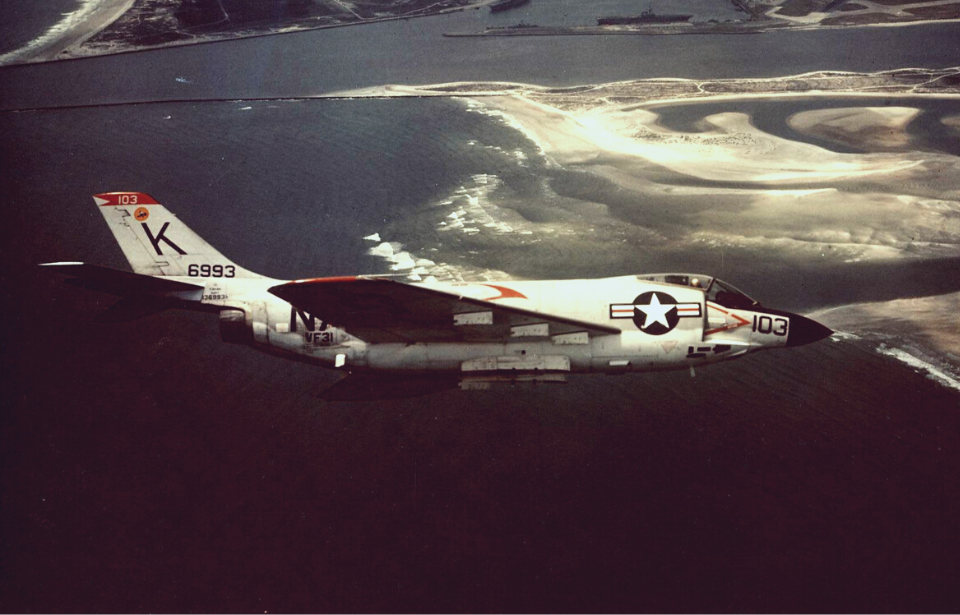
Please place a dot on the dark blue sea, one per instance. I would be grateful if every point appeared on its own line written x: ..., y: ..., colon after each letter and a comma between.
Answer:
x: 415, y: 52
x: 24, y: 21
x: 149, y: 467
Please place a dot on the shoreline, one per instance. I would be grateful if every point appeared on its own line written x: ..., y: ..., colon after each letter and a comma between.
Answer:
x: 71, y: 52
x: 706, y: 98
x: 720, y: 29
x: 100, y: 15
x: 913, y: 330
x: 383, y: 95
x: 645, y: 93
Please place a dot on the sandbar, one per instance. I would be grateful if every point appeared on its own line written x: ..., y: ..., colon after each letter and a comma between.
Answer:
x: 731, y: 149
x: 876, y: 128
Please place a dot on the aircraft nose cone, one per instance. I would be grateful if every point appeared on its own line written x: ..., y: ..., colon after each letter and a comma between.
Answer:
x: 804, y: 330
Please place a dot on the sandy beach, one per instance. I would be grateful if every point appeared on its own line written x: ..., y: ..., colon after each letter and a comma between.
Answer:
x: 667, y: 90
x: 69, y: 34
x: 931, y: 319
x: 921, y: 332
x: 575, y: 126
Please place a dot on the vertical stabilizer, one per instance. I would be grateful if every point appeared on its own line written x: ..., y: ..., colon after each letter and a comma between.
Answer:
x: 156, y: 242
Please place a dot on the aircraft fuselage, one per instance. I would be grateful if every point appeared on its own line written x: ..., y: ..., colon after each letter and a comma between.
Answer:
x: 661, y: 326
x: 476, y: 331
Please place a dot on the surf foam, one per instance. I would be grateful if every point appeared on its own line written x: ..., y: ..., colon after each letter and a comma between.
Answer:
x: 417, y: 269
x: 933, y: 372
x: 70, y: 21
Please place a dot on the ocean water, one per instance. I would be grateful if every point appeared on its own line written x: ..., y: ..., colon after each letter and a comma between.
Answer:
x: 23, y: 21
x: 415, y: 52
x: 437, y: 180
x: 314, y: 177
x: 147, y: 466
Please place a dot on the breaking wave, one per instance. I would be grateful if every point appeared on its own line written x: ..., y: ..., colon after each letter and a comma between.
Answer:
x: 418, y: 269
x: 933, y: 372
x: 70, y: 20
x: 471, y: 210
x: 474, y: 106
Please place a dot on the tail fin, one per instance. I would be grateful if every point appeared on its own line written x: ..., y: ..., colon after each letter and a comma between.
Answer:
x: 157, y: 243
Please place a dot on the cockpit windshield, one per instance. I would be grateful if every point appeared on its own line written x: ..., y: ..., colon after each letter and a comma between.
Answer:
x: 680, y: 279
x: 728, y: 296
x: 717, y: 291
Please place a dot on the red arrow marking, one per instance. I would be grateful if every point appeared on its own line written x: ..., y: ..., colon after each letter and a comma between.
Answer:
x: 505, y: 293
x: 742, y: 321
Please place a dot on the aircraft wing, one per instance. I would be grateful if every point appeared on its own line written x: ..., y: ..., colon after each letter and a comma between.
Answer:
x: 117, y: 282
x: 381, y: 310
x: 143, y: 295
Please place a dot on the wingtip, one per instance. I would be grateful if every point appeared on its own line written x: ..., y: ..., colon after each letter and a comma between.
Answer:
x: 66, y: 268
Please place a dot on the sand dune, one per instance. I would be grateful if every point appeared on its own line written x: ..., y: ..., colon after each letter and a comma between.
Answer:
x: 874, y: 128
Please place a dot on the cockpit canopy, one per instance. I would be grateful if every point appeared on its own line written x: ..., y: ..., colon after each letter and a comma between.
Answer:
x: 717, y: 291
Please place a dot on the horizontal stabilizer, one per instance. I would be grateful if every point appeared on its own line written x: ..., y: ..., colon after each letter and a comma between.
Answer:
x: 124, y: 283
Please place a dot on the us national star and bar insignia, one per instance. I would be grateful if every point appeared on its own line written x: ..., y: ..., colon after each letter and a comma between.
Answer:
x: 655, y: 312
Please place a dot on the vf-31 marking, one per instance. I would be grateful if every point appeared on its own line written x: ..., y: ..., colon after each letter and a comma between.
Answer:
x: 383, y: 331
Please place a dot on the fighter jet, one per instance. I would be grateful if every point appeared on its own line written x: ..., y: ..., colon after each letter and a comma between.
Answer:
x: 430, y: 333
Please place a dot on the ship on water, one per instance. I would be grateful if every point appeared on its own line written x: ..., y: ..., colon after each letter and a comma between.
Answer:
x: 646, y: 17
x: 505, y: 5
